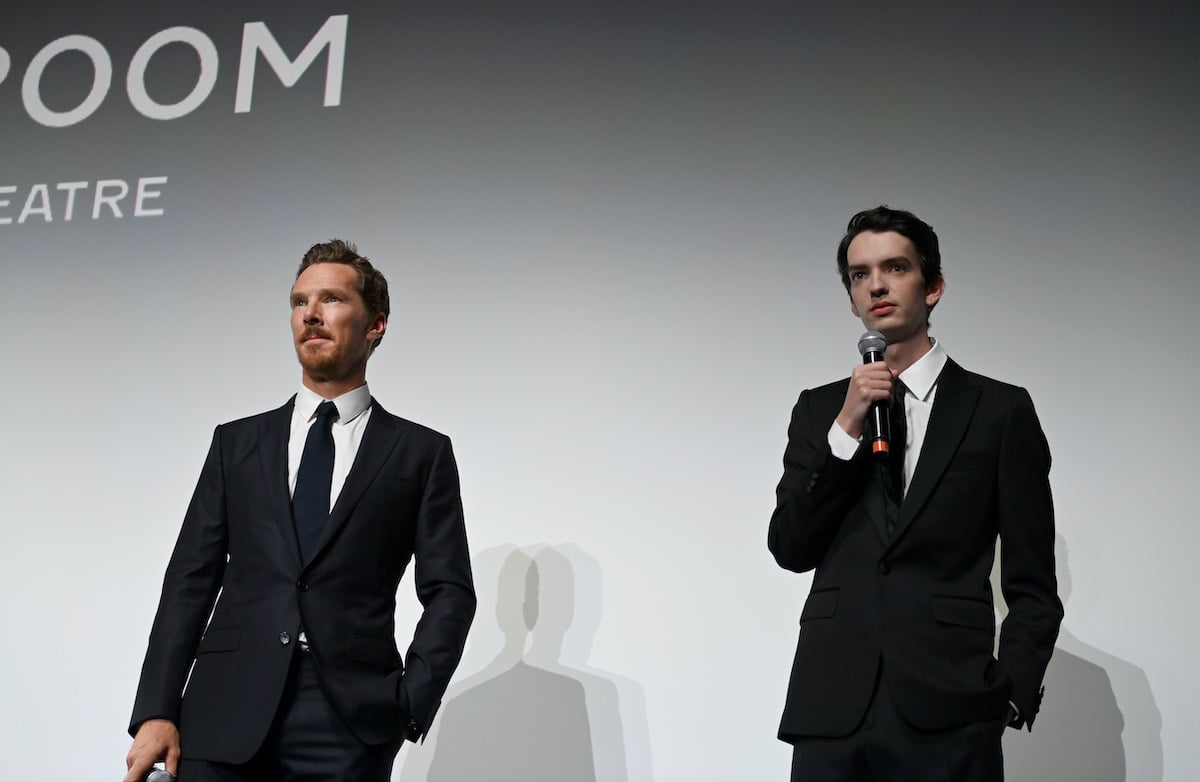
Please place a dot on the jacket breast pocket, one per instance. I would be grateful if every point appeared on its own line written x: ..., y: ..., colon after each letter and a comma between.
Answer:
x: 394, y: 495
x: 972, y: 462
x: 820, y: 605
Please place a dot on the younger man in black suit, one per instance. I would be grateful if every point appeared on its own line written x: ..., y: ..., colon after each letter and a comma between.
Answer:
x: 894, y: 677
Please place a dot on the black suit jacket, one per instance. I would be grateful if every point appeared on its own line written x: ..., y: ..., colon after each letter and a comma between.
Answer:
x: 238, y: 542
x: 920, y: 600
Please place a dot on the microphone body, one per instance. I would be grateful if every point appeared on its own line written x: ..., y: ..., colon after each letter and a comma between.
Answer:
x: 879, y: 420
x: 159, y: 775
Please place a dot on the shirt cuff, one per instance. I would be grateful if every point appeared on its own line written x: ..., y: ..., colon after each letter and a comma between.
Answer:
x: 842, y: 445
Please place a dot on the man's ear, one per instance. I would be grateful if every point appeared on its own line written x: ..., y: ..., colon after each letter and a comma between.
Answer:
x: 934, y: 291
x: 377, y: 327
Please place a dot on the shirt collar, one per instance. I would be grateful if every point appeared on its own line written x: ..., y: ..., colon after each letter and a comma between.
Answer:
x: 350, y: 405
x: 922, y: 376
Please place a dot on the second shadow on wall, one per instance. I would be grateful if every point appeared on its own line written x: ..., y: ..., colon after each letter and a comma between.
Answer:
x: 528, y: 715
x: 1098, y: 721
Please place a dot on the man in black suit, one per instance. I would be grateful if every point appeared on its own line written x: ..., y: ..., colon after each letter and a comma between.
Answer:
x: 300, y: 529
x: 894, y: 677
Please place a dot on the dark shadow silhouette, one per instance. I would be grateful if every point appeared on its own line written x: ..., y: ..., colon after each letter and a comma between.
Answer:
x: 1099, y: 721
x: 527, y: 716
x: 563, y: 643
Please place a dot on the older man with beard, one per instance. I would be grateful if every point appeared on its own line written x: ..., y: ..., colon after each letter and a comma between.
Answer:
x: 280, y: 595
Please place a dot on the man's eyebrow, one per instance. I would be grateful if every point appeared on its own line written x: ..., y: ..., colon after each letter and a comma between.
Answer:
x: 343, y: 292
x: 893, y: 259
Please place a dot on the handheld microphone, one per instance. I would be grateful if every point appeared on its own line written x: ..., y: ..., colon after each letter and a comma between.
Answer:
x: 159, y: 775
x: 879, y: 424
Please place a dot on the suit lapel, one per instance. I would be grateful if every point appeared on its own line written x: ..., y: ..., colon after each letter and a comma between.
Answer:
x: 379, y: 439
x: 953, y: 407
x: 273, y: 434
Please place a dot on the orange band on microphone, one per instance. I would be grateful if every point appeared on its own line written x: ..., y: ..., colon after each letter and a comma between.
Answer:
x: 879, y: 446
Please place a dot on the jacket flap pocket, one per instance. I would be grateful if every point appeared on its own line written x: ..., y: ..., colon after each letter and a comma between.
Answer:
x: 226, y: 639
x: 964, y: 611
x: 820, y: 604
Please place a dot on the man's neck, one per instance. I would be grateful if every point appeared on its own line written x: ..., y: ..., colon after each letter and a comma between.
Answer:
x: 902, y: 355
x: 332, y: 389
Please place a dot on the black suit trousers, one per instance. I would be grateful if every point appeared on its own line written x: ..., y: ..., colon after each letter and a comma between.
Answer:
x: 308, y: 740
x: 887, y: 748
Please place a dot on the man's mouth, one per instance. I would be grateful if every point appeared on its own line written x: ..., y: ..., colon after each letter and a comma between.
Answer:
x: 882, y: 308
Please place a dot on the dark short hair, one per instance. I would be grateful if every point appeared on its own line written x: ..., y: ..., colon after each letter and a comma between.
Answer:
x: 882, y: 219
x: 372, y: 285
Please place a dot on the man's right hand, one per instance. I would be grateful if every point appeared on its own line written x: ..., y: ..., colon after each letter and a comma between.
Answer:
x: 155, y: 740
x: 869, y: 383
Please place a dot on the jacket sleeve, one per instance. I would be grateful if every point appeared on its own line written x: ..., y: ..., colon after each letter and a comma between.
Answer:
x: 1027, y: 578
x: 815, y: 493
x: 442, y: 578
x: 190, y: 588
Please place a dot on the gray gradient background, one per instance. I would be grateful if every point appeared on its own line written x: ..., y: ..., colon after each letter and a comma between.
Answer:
x: 609, y: 231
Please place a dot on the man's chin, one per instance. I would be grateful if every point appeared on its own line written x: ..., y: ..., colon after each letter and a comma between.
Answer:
x: 320, y: 368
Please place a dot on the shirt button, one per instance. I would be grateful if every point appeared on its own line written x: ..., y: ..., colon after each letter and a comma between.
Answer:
x: 885, y: 568
x: 302, y: 586
x: 284, y: 639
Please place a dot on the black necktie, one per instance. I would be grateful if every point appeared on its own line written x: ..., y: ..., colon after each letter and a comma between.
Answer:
x: 898, y: 439
x: 891, y: 469
x: 314, y: 480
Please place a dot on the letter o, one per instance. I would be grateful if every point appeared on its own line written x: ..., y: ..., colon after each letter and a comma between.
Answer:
x: 101, y: 80
x: 135, y: 80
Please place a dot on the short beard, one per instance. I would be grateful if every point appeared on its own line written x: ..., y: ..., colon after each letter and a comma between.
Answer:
x: 321, y: 366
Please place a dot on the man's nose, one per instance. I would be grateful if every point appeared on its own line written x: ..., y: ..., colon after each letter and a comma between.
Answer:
x: 312, y: 315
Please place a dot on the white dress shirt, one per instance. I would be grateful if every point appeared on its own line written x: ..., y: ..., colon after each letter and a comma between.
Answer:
x: 354, y: 410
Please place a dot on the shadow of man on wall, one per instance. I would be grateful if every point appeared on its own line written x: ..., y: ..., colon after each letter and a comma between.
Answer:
x: 1099, y: 721
x: 526, y: 715
x: 563, y: 643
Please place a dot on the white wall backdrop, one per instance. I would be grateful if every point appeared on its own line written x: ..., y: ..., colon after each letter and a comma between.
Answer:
x: 609, y: 231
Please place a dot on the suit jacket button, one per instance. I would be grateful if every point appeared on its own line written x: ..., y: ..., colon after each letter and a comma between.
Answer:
x: 302, y: 586
x: 284, y: 639
x: 884, y: 568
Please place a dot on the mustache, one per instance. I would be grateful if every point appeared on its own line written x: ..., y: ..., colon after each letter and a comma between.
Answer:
x: 311, y: 332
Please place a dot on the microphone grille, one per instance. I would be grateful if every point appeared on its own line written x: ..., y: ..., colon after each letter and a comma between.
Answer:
x: 871, y: 342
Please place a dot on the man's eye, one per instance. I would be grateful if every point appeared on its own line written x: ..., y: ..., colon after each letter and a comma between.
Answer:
x: 297, y: 302
x: 332, y: 298
x: 857, y: 275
